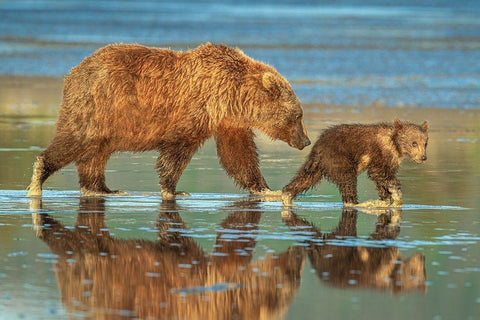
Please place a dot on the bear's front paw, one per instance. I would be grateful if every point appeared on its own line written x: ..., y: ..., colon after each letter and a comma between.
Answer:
x: 167, y: 195
x: 102, y: 192
x: 267, y: 194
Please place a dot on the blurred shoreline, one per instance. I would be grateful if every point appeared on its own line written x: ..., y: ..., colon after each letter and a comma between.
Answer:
x: 406, y: 54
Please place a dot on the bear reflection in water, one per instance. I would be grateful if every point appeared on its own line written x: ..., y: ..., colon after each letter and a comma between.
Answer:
x: 344, y: 264
x: 171, y: 278
x: 105, y: 277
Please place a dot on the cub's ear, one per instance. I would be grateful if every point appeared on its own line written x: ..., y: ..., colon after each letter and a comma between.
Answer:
x: 425, y: 126
x: 398, y: 124
x: 269, y: 81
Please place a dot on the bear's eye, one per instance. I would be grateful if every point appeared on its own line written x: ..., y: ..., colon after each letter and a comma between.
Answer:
x: 414, y: 144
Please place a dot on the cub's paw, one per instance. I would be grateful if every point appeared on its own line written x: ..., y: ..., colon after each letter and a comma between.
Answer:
x: 34, y: 190
x: 396, y: 204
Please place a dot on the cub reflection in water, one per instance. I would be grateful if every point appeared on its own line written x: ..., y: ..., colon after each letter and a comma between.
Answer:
x: 345, y: 265
x: 103, y: 277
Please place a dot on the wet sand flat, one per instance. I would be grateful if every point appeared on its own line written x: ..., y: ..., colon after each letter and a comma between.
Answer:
x: 221, y: 254
x: 221, y: 245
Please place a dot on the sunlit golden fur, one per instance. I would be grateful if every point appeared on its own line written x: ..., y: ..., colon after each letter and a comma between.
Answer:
x: 101, y: 276
x: 128, y: 97
x: 361, y: 267
x: 344, y: 151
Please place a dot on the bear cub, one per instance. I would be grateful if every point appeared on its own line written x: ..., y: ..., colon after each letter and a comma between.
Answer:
x: 344, y: 151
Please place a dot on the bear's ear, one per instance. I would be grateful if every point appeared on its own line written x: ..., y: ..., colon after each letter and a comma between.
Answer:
x: 269, y: 81
x: 398, y: 124
x: 425, y: 126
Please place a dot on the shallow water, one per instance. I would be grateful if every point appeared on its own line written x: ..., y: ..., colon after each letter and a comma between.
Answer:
x: 220, y: 254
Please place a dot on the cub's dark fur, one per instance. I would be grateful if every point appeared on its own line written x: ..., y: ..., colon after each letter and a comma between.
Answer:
x: 342, y: 152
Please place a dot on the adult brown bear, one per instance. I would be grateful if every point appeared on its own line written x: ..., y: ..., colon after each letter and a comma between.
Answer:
x: 133, y: 98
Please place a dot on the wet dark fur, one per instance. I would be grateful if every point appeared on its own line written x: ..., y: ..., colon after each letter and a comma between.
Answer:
x: 342, y: 152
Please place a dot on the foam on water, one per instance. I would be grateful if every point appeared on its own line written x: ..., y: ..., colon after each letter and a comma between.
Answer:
x: 15, y: 202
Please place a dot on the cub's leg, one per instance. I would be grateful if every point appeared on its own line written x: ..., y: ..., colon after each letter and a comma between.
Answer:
x: 346, y: 181
x: 238, y: 156
x: 58, y: 154
x: 388, y: 186
x: 171, y: 162
x: 383, y: 193
x: 91, y: 174
x: 394, y: 188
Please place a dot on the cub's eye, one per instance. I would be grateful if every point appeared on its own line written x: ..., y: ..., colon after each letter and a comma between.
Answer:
x: 414, y: 144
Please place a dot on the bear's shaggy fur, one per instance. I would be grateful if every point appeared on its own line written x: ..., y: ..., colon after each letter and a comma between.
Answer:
x: 342, y: 152
x: 133, y: 98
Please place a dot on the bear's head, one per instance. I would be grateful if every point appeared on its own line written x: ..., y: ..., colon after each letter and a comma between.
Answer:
x: 276, y: 110
x: 412, y: 140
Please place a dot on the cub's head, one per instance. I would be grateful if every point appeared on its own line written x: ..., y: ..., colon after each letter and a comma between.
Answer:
x: 277, y: 110
x: 412, y: 140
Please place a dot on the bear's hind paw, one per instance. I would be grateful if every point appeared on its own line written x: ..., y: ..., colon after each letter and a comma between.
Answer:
x: 101, y: 193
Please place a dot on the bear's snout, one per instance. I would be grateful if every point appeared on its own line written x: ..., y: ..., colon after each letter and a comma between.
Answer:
x: 300, y: 143
x: 306, y: 143
x: 298, y: 136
